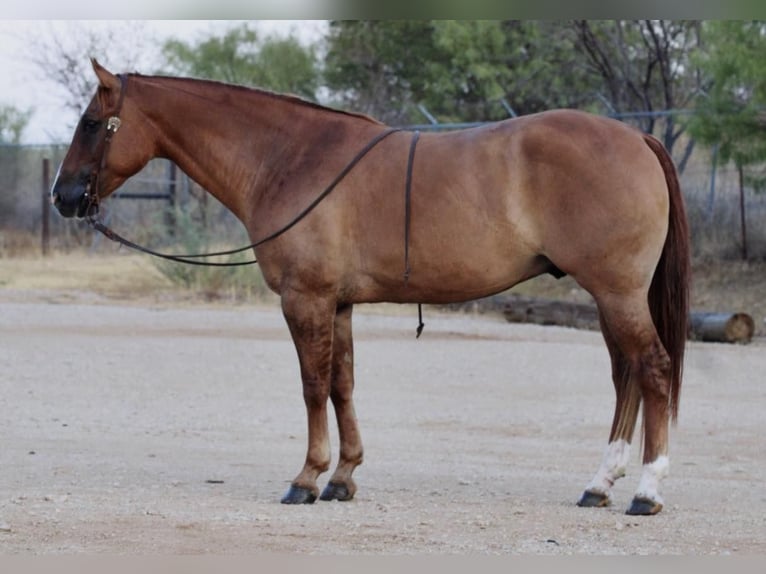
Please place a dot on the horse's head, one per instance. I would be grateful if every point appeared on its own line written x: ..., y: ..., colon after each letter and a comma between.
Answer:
x: 109, y: 145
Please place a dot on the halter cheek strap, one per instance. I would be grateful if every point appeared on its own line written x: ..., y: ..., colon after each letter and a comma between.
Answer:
x: 112, y: 125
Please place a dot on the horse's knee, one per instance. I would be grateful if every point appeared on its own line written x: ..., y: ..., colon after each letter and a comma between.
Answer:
x: 315, y: 392
x: 341, y: 395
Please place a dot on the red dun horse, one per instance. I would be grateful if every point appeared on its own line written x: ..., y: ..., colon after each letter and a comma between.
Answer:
x: 464, y: 215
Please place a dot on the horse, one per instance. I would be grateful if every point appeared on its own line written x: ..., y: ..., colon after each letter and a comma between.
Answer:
x: 435, y: 218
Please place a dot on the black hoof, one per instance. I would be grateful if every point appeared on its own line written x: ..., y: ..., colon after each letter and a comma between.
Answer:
x: 336, y: 491
x: 593, y: 500
x: 644, y: 507
x: 299, y: 495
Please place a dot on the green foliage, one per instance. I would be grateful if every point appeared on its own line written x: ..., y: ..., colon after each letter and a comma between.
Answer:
x: 460, y: 70
x: 240, y: 56
x: 547, y: 70
x: 376, y: 66
x: 474, y: 70
x: 487, y: 63
x: 732, y: 113
x: 239, y: 283
x: 12, y: 124
x: 643, y: 66
x: 471, y: 73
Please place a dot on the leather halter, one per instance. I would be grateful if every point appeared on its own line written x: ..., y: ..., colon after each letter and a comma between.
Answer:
x: 112, y: 125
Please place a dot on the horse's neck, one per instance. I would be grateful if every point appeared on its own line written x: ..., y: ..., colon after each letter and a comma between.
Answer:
x: 215, y: 145
x: 245, y: 146
x: 232, y: 142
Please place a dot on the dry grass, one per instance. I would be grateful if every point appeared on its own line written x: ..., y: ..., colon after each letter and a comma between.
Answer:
x: 117, y: 276
x: 720, y: 286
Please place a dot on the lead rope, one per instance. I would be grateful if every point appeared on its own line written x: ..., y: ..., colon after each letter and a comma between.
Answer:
x: 190, y: 258
x: 407, y: 218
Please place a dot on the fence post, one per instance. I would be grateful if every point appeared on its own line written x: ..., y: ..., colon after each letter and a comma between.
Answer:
x: 742, y: 215
x: 711, y: 195
x: 46, y: 206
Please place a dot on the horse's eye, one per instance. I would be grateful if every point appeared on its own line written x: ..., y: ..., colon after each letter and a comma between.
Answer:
x: 90, y: 125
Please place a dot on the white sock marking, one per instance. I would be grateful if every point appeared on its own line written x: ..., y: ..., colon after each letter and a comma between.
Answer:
x: 652, y: 474
x: 612, y: 467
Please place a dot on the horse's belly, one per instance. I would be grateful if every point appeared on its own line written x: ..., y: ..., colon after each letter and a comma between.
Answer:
x: 445, y: 278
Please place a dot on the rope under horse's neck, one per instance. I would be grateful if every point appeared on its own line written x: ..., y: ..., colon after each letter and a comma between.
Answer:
x: 191, y: 259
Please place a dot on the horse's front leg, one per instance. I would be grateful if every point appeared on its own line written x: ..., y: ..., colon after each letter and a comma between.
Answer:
x: 310, y: 319
x: 341, y: 485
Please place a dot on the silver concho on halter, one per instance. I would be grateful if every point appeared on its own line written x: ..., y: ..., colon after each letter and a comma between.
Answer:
x: 113, y: 124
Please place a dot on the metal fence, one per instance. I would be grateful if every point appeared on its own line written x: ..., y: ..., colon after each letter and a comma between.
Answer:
x: 151, y: 205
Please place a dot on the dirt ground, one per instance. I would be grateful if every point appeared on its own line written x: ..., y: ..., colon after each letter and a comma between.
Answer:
x: 157, y: 428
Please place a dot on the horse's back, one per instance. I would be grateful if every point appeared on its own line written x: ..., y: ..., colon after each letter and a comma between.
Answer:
x: 557, y: 183
x: 598, y: 193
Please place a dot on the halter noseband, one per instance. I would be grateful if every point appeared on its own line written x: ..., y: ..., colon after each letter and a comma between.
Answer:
x: 112, y: 125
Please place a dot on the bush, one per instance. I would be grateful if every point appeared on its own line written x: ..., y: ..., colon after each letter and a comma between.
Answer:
x: 239, y: 283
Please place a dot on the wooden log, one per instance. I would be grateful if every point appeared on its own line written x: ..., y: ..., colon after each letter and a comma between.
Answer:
x: 722, y: 327
x: 519, y: 309
x: 713, y: 327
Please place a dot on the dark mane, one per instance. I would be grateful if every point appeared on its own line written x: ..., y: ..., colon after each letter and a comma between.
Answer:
x: 291, y: 98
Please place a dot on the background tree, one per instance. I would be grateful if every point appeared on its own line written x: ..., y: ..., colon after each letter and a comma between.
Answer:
x: 732, y: 112
x: 459, y: 70
x: 375, y: 66
x: 241, y: 56
x: 62, y: 58
x: 547, y: 71
x: 480, y: 70
x: 12, y: 124
x: 490, y: 69
x: 644, y: 66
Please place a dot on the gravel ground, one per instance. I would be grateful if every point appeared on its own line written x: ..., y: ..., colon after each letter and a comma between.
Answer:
x: 146, y: 429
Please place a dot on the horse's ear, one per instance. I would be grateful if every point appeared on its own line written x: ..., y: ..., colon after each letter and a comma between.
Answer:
x: 105, y: 78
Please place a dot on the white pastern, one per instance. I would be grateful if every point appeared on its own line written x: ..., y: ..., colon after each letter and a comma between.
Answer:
x: 652, y: 474
x: 612, y: 467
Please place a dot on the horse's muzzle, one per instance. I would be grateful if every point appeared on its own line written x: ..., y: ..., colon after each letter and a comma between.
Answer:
x: 73, y: 199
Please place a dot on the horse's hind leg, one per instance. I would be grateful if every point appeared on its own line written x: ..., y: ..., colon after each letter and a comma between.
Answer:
x: 341, y: 486
x: 617, y: 453
x: 640, y: 366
